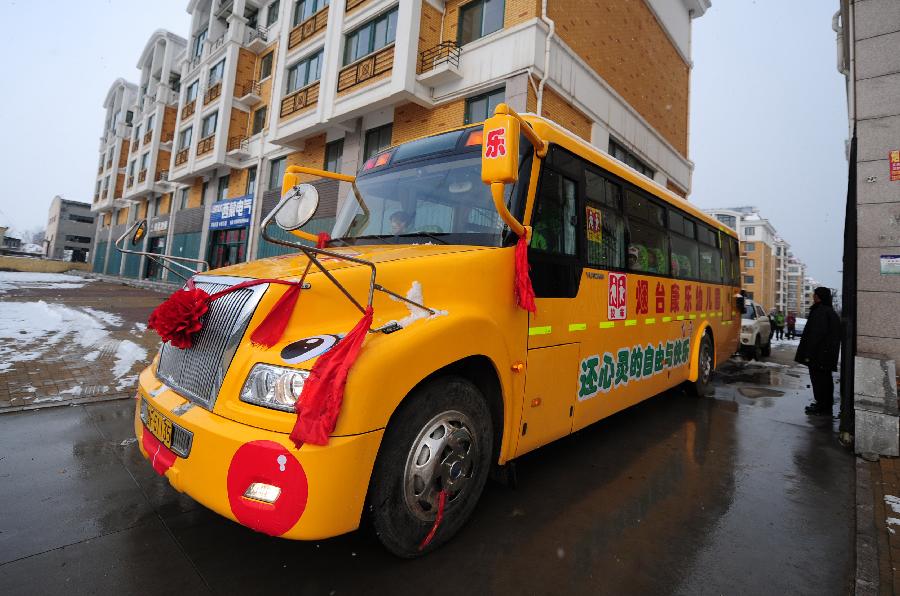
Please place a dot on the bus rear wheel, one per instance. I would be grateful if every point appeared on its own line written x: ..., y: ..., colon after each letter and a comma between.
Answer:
x: 436, y: 448
x: 701, y: 386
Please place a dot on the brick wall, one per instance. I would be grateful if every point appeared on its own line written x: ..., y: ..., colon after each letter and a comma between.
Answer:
x: 239, y: 123
x: 265, y: 87
x: 121, y: 216
x: 168, y: 126
x: 142, y: 209
x: 763, y: 272
x: 120, y: 185
x: 559, y: 110
x: 671, y: 186
x: 237, y: 183
x: 312, y: 156
x: 625, y: 44
x: 429, y: 31
x: 245, y: 71
x: 195, y: 194
x: 123, y: 153
x: 412, y: 121
x: 163, y: 160
x: 165, y: 204
x: 515, y: 12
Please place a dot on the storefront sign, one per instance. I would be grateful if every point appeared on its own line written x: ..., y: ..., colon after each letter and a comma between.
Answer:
x: 890, y: 264
x: 159, y: 226
x: 231, y: 213
x: 894, y: 160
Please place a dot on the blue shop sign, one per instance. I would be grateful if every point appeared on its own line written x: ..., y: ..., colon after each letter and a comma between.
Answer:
x: 231, y: 213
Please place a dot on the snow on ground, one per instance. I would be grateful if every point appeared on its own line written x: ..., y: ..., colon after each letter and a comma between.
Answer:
x: 31, y: 330
x: 11, y: 280
x: 767, y: 364
x: 786, y: 342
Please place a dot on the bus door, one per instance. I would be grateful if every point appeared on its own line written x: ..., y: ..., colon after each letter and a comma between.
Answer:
x: 556, y: 269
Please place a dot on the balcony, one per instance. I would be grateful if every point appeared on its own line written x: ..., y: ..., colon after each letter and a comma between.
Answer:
x: 351, y: 4
x: 100, y: 169
x: 130, y: 181
x: 147, y: 137
x: 206, y: 145
x: 215, y: 45
x: 238, y: 147
x: 135, y: 145
x: 440, y: 65
x: 108, y: 164
x: 308, y: 28
x: 366, y: 69
x: 166, y: 141
x: 300, y: 100
x: 248, y: 94
x: 162, y: 176
x: 212, y: 93
x: 188, y: 109
x: 257, y: 39
x: 142, y: 175
x: 182, y: 156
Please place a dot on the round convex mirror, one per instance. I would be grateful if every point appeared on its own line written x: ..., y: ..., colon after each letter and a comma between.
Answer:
x: 139, y: 232
x: 298, y: 206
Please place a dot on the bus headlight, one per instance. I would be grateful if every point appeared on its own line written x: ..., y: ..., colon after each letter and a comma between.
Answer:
x: 274, y: 387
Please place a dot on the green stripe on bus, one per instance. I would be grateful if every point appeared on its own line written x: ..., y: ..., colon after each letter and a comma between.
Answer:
x: 703, y: 315
x: 577, y: 326
x: 649, y: 321
x: 631, y: 322
x: 540, y: 330
x: 692, y: 316
x: 666, y: 319
x: 679, y: 318
x: 607, y: 324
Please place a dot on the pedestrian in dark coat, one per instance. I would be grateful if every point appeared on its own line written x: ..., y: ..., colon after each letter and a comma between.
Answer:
x: 819, y: 348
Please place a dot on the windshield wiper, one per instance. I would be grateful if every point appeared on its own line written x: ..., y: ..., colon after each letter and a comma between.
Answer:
x: 377, y: 237
x: 428, y: 234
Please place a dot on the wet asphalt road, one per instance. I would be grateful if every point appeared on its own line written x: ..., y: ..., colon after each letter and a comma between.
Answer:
x: 740, y: 493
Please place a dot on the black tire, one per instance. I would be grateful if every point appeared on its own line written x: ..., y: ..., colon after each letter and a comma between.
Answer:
x: 706, y: 358
x: 401, y: 517
x: 756, y: 351
x: 767, y: 349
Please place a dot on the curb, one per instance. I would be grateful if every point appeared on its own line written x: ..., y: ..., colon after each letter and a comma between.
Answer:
x: 156, y: 286
x: 867, y: 581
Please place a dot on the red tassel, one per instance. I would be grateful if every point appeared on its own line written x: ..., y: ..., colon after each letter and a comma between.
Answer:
x: 524, y: 291
x: 439, y: 516
x: 324, y: 237
x: 270, y: 330
x: 320, y: 401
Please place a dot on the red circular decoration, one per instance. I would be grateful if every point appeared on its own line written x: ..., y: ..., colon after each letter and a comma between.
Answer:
x: 270, y: 463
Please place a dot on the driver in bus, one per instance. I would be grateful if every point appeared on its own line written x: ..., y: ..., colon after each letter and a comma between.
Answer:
x: 400, y: 221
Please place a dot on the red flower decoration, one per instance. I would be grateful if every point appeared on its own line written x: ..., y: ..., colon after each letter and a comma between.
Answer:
x: 177, y: 319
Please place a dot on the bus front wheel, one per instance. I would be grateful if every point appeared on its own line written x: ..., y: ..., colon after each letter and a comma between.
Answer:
x: 701, y: 386
x: 437, y: 448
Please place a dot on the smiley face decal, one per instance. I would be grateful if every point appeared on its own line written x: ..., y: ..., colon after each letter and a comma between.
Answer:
x: 307, y: 348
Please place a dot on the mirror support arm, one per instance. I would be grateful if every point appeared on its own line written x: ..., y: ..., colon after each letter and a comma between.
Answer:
x: 291, y: 179
x: 158, y: 258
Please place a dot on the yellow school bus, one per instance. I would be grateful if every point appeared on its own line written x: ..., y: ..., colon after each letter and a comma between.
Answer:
x: 634, y: 293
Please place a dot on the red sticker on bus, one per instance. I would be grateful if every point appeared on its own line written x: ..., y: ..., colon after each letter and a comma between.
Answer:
x: 495, y: 146
x: 618, y: 296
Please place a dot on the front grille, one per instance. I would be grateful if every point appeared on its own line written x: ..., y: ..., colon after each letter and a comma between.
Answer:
x: 197, y: 373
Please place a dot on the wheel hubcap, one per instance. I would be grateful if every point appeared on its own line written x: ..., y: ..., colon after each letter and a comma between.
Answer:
x: 705, y: 363
x: 442, y: 457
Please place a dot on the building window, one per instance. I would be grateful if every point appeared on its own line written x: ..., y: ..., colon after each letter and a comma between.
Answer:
x: 184, y: 198
x: 137, y: 133
x: 190, y: 93
x: 334, y: 151
x: 150, y: 121
x: 750, y: 231
x: 81, y: 218
x: 131, y: 169
x: 184, y: 138
x: 80, y: 239
x: 303, y: 9
x: 265, y: 66
x: 197, y: 49
x: 144, y: 159
x: 748, y: 279
x: 479, y: 18
x: 629, y: 159
x: 259, y: 120
x: 481, y: 107
x: 749, y: 263
x: 371, y: 37
x: 377, y: 139
x: 728, y: 220
x: 216, y: 72
x: 250, y: 189
x: 222, y: 190
x: 209, y: 125
x: 129, y: 117
x: 305, y: 72
x: 276, y: 173
x: 749, y: 246
x: 272, y: 13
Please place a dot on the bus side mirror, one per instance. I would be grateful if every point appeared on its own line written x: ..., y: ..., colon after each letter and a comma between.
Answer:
x: 139, y: 232
x: 500, y: 149
x: 297, y: 207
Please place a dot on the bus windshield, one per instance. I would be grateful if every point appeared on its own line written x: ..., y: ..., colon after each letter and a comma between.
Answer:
x: 428, y: 190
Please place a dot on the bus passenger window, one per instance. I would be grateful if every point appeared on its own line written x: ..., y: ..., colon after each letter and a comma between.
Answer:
x: 710, y: 255
x: 684, y: 247
x: 554, y: 218
x: 605, y: 236
x: 648, y: 246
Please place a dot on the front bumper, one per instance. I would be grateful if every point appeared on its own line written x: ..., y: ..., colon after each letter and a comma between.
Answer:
x: 323, y: 489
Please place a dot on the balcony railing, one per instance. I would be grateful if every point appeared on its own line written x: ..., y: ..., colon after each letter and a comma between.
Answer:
x: 188, y: 109
x: 147, y: 136
x: 135, y: 145
x: 446, y: 52
x: 182, y: 156
x: 300, y: 100
x: 142, y: 175
x: 215, y: 45
x: 96, y: 197
x: 109, y: 164
x: 130, y: 180
x: 206, y: 145
x: 366, y: 68
x: 212, y: 92
x: 162, y: 176
x: 235, y: 143
x: 100, y: 169
x: 248, y: 88
x: 351, y: 4
x: 308, y: 28
x: 258, y: 35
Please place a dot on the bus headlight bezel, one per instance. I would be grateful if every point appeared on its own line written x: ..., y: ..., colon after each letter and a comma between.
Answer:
x: 274, y: 387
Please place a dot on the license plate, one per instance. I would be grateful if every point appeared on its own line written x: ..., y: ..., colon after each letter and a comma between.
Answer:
x: 159, y: 425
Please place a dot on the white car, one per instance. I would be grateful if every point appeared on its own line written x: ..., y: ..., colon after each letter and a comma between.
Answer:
x: 756, y: 331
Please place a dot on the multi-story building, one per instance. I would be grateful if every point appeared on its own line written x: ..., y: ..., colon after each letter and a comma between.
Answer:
x: 262, y: 85
x: 70, y: 230
x: 796, y: 274
x: 809, y: 284
x: 782, y: 254
x: 762, y: 253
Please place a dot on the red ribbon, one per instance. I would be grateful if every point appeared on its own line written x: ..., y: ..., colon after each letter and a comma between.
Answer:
x: 324, y: 237
x: 523, y: 288
x: 323, y: 392
x: 438, y: 518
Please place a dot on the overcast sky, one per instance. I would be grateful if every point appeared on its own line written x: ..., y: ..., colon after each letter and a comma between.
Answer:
x: 768, y: 109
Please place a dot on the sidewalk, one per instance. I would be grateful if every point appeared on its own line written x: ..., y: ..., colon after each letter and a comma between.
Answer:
x: 878, y: 526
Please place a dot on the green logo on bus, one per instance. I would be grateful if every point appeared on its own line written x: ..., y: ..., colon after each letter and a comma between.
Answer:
x: 603, y: 373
